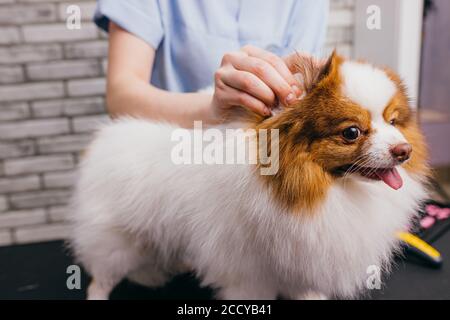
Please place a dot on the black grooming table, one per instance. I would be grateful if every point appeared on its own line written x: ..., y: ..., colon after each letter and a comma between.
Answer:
x: 38, y: 271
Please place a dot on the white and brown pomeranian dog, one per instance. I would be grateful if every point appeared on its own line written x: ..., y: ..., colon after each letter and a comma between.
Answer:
x: 351, y: 173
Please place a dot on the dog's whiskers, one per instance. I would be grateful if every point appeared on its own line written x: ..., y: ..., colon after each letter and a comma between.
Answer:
x: 360, y: 161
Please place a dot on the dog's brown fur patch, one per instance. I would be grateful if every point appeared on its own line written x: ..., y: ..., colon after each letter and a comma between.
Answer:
x: 311, y: 144
x: 407, y: 123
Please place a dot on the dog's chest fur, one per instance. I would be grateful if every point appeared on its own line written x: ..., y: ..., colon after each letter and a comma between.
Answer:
x: 331, y: 250
x: 222, y: 221
x: 353, y: 230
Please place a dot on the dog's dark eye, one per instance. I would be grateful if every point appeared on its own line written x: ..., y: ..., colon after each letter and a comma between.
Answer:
x: 351, y: 133
x: 392, y: 122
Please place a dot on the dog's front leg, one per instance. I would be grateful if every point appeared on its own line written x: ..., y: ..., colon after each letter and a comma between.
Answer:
x: 247, y: 291
x: 310, y: 295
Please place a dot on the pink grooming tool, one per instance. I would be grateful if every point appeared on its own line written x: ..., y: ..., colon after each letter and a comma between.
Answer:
x: 432, y: 210
x: 427, y: 222
x: 443, y: 213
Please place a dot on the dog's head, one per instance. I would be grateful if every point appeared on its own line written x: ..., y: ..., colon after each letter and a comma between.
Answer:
x: 354, y: 121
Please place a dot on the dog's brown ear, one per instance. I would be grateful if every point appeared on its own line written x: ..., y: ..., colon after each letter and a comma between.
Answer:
x: 327, y: 68
x: 313, y: 70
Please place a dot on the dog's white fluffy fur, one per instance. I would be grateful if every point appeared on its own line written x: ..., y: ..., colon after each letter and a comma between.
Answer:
x: 138, y: 215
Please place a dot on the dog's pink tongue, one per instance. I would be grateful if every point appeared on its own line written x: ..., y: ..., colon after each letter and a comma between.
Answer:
x: 391, y: 177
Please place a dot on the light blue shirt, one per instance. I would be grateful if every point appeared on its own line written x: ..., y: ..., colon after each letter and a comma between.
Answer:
x: 191, y: 36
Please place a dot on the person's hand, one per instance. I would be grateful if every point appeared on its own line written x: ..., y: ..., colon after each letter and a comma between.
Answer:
x: 255, y: 79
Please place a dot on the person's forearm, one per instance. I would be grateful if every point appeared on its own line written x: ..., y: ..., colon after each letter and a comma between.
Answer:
x: 139, y: 99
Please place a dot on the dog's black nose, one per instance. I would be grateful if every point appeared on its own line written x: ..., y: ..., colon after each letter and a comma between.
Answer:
x: 401, y: 152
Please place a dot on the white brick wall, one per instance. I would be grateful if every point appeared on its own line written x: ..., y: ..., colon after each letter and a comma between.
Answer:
x: 86, y: 87
x: 86, y: 49
x: 19, y: 184
x: 57, y: 214
x: 340, y: 29
x: 11, y: 74
x: 33, y: 128
x: 3, y: 204
x: 22, y: 218
x: 62, y: 69
x: 5, y: 238
x: 37, y: 164
x: 88, y: 124
x: 57, y: 32
x: 29, y: 91
x: 87, y: 9
x: 51, y: 98
x: 27, y: 200
x: 58, y: 144
x: 16, y: 149
x: 59, y: 179
x: 9, y: 35
x: 14, y: 111
x: 38, y: 233
x: 24, y: 53
x: 21, y: 14
x: 67, y: 107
